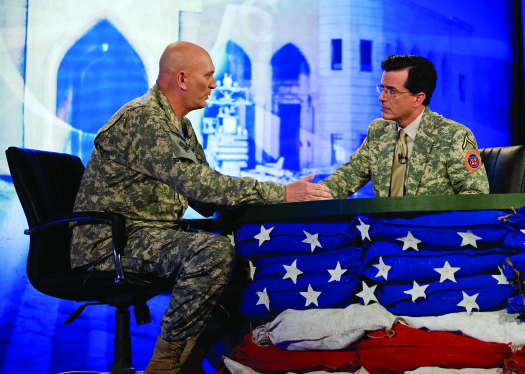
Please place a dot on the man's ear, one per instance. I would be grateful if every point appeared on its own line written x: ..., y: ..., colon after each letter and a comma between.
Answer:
x: 420, y: 97
x: 181, y: 80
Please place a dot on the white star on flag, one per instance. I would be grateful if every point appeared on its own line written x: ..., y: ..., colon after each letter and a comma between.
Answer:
x: 311, y: 296
x: 363, y: 229
x: 469, y: 238
x: 250, y: 270
x: 502, y: 279
x: 469, y: 302
x: 409, y: 242
x: 417, y: 291
x: 523, y: 231
x: 383, y: 269
x: 232, y: 238
x: 312, y: 240
x: 292, y: 272
x: 263, y: 299
x: 447, y: 272
x: 336, y: 273
x: 367, y: 294
x: 264, y: 235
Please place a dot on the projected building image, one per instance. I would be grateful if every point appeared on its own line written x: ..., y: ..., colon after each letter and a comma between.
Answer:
x: 297, y: 102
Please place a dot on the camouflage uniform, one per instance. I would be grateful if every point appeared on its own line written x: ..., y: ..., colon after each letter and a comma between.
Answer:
x: 147, y: 165
x: 439, y: 164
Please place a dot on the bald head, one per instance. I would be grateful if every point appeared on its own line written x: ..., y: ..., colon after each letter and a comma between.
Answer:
x: 185, y: 76
x: 180, y: 55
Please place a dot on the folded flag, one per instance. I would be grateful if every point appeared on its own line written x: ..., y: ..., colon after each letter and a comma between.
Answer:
x: 479, y: 292
x: 437, y: 271
x: 332, y: 329
x: 272, y: 360
x: 496, y: 327
x: 284, y: 239
x: 323, y: 329
x: 405, y: 348
x: 386, y: 261
x: 516, y: 362
x: 285, y: 267
x: 515, y: 304
x: 516, y: 224
x: 477, y: 229
x: 518, y: 263
x: 236, y: 368
x: 263, y: 300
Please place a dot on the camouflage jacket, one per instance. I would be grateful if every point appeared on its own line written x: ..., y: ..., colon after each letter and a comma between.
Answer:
x: 444, y: 160
x: 147, y: 165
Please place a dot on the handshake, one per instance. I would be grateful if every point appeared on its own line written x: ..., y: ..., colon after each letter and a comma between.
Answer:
x: 303, y: 190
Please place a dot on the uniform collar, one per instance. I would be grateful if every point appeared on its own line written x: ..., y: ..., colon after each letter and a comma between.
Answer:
x: 174, y: 123
x: 411, y: 130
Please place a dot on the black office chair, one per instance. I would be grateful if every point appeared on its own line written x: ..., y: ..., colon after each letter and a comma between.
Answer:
x: 46, y: 184
x: 505, y: 168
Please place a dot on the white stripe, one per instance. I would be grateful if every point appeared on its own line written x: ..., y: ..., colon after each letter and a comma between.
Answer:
x: 331, y: 329
x: 328, y: 329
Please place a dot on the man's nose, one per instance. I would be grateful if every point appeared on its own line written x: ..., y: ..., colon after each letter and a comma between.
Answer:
x: 213, y: 84
x: 382, y: 96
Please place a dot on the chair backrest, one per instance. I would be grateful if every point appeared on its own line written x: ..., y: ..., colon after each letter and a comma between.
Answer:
x: 46, y: 184
x: 505, y: 168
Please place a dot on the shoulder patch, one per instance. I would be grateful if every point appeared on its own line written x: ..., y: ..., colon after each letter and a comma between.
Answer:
x: 467, y: 140
x: 472, y: 160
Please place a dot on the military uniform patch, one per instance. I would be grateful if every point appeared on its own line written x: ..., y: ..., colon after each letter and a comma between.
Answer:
x: 472, y: 160
x: 467, y: 140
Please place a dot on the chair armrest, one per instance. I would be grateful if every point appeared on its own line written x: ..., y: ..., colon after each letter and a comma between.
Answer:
x: 118, y: 229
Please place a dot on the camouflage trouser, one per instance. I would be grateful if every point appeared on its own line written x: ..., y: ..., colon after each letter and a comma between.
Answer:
x: 198, y: 263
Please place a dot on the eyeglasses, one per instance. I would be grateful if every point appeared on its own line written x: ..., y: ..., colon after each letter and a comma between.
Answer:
x: 390, y: 92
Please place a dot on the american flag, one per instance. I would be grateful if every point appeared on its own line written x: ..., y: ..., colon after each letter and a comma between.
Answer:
x: 459, y: 264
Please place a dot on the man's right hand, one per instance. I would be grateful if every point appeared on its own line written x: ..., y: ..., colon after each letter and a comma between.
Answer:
x: 302, y: 190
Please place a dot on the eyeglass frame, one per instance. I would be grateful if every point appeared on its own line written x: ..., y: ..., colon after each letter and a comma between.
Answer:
x: 380, y: 89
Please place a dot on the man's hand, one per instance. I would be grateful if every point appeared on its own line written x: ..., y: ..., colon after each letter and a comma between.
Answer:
x: 301, y: 190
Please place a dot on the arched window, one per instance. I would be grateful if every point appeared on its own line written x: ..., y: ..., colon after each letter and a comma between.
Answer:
x: 98, y: 74
x: 237, y: 64
x: 288, y: 62
x: 290, y: 72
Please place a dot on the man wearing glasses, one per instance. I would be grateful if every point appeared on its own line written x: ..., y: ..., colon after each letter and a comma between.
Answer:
x: 411, y: 150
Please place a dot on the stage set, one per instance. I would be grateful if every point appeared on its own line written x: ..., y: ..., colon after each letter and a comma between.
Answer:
x: 366, y: 284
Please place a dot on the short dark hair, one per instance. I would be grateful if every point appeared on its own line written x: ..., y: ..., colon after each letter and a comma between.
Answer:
x: 422, y: 75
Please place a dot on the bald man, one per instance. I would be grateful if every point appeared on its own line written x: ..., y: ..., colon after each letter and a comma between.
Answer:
x: 148, y: 165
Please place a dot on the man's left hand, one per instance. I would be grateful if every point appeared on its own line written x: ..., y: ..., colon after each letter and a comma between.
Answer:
x: 302, y: 190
